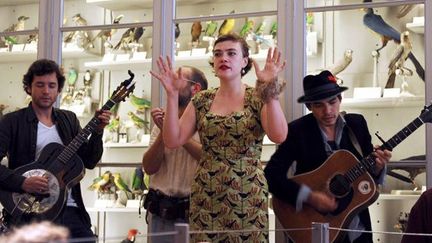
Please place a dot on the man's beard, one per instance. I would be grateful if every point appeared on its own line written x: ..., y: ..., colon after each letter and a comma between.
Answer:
x: 184, y: 99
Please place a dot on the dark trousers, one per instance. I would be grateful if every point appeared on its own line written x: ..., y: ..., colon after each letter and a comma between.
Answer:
x: 78, y: 228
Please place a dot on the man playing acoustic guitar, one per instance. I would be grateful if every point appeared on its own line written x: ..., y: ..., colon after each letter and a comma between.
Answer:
x: 311, y: 140
x: 25, y: 132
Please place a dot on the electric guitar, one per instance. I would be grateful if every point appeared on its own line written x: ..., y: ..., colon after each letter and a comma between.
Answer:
x: 346, y: 178
x: 61, y: 166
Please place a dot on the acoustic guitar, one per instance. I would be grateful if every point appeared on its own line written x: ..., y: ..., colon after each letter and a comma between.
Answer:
x: 348, y: 180
x: 61, y: 166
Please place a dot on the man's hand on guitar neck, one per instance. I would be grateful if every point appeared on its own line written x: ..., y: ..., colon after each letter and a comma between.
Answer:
x: 322, y: 202
x: 36, y: 185
x: 381, y: 158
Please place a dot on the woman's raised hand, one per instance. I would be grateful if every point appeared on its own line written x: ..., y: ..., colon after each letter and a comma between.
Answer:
x: 272, y: 66
x: 171, y: 79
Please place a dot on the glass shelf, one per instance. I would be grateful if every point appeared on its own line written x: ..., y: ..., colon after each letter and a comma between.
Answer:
x: 383, y: 102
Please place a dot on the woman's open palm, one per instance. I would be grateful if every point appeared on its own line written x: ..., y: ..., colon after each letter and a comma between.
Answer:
x: 171, y: 80
x: 272, y: 66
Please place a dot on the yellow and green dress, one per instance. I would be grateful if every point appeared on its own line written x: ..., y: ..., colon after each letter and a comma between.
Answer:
x: 229, y: 191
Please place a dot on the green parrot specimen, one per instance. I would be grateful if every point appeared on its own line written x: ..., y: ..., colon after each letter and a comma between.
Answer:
x: 138, y: 180
x: 72, y: 77
x: 138, y: 122
x: 114, y: 124
x: 211, y: 28
x: 273, y: 30
x: 100, y: 181
x: 247, y: 28
x: 120, y: 184
x: 139, y: 103
x: 227, y: 26
x: 260, y: 29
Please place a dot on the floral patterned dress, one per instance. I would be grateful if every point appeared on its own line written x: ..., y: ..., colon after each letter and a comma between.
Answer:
x: 229, y: 191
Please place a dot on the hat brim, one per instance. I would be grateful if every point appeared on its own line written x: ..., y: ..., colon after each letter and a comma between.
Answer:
x: 321, y: 96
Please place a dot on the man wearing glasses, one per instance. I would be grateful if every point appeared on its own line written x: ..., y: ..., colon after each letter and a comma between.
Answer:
x: 171, y: 170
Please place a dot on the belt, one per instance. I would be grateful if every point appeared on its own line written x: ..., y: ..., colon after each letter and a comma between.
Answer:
x: 166, y: 207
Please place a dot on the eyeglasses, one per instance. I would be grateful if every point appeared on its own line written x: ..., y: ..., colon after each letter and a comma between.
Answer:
x: 191, y: 81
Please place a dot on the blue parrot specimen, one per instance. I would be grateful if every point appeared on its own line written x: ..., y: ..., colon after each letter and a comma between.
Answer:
x: 377, y: 24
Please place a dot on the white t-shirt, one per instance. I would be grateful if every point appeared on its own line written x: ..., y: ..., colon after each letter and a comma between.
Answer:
x: 176, y: 172
x: 45, y: 136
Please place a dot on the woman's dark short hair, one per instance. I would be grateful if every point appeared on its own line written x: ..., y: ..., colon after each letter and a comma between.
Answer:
x: 244, y: 46
x: 43, y: 67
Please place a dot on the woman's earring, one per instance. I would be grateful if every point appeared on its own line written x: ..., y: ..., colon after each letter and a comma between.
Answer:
x: 243, y: 71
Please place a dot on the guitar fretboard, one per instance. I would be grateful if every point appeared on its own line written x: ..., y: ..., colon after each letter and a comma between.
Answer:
x: 82, y: 136
x: 368, y: 163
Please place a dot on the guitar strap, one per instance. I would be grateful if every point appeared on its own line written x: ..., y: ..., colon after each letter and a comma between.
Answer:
x: 352, y: 136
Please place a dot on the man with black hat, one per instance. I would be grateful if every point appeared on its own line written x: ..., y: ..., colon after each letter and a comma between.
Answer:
x: 312, y: 139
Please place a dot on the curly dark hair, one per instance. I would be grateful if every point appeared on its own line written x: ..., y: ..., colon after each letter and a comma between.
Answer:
x: 244, y: 46
x: 43, y: 67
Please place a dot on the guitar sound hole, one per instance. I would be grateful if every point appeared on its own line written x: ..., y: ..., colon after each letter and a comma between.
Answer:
x: 339, y: 186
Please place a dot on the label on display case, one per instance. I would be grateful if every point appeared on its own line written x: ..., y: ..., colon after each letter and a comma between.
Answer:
x: 122, y: 57
x: 108, y: 57
x: 391, y: 92
x: 139, y: 55
x: 367, y: 92
x: 30, y: 46
x: 198, y: 52
x: 184, y: 54
x: 17, y: 47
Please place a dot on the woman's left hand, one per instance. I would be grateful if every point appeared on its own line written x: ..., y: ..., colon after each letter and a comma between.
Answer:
x: 272, y: 66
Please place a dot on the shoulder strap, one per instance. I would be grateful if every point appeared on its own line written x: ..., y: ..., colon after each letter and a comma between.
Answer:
x: 352, y: 136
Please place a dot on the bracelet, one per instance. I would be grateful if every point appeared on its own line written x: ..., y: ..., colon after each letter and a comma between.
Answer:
x: 267, y: 91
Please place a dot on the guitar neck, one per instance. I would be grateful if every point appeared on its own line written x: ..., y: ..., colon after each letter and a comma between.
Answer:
x: 83, y: 135
x: 368, y: 163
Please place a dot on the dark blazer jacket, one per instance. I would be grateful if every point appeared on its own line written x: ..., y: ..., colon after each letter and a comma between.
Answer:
x: 18, y: 135
x: 304, y: 144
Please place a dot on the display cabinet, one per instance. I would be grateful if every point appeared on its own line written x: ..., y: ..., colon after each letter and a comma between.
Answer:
x: 98, y: 41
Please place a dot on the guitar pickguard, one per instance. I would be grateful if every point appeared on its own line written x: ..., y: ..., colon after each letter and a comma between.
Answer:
x: 37, y: 204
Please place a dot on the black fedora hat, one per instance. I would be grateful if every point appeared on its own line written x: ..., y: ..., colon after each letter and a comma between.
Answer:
x: 320, y: 87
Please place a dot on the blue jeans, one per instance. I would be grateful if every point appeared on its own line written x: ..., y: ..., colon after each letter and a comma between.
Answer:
x: 158, y: 225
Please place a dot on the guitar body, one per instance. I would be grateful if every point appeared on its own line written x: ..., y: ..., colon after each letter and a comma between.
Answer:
x: 359, y: 194
x: 61, y: 176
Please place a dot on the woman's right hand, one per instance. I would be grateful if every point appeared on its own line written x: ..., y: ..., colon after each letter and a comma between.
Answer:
x: 171, y: 80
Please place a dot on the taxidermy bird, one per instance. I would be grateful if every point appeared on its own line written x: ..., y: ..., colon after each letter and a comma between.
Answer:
x: 114, y: 124
x: 227, y: 26
x: 131, y: 35
x: 138, y: 185
x: 211, y: 27
x: 398, y: 59
x: 131, y: 236
x: 137, y: 121
x: 72, y: 77
x: 100, y: 182
x: 404, y: 10
x: 120, y: 184
x: 176, y: 31
x: 273, y: 30
x: 82, y: 38
x: 341, y: 64
x: 196, y: 30
x: 105, y: 35
x: 260, y: 29
x: 247, y: 28
x: 20, y: 25
x: 140, y: 103
x: 376, y: 23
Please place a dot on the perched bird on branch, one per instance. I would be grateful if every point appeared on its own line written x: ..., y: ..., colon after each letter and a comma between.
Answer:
x: 131, y: 35
x: 105, y: 35
x: 20, y: 25
x: 227, y: 26
x: 211, y: 27
x: 82, y: 38
x: 247, y: 28
x: 196, y: 30
x: 398, y: 59
x: 377, y: 24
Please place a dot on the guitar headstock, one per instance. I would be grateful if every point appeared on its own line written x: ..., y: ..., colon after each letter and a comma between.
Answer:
x: 426, y: 114
x: 124, y: 89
